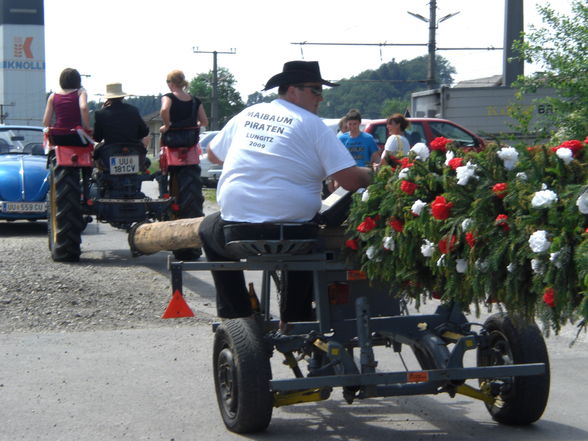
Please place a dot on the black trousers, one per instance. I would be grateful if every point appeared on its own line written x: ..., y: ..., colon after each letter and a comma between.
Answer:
x: 232, y: 298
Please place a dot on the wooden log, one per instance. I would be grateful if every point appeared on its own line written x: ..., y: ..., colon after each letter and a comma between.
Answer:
x: 149, y: 238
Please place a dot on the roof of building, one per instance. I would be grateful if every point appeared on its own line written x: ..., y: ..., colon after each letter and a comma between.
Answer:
x: 493, y: 81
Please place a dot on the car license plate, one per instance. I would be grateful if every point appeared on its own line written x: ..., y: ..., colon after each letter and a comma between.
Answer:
x: 124, y: 165
x: 24, y: 207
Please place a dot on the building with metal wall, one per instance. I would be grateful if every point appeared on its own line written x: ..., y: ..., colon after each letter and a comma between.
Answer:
x: 22, y: 77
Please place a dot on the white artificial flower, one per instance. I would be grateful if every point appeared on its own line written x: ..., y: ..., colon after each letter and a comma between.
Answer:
x: 427, y: 248
x: 388, y: 243
x: 554, y: 258
x: 522, y: 176
x: 461, y: 265
x: 582, y: 202
x: 365, y: 196
x: 538, y: 241
x: 511, y: 267
x: 370, y: 252
x: 403, y: 173
x: 465, y: 225
x: 421, y: 150
x: 465, y: 173
x: 565, y: 154
x: 418, y: 206
x: 441, y: 261
x: 543, y: 199
x: 448, y: 157
x: 537, y: 266
x: 509, y: 156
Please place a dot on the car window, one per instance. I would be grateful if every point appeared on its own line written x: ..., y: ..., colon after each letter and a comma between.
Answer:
x: 415, y: 133
x: 21, y: 141
x: 205, y: 140
x: 450, y: 131
x: 379, y: 133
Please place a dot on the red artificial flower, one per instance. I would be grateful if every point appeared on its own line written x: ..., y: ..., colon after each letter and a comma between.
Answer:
x: 445, y: 247
x: 352, y: 243
x: 405, y: 163
x: 500, y: 189
x: 586, y: 140
x: 470, y: 239
x: 396, y: 224
x: 501, y: 221
x: 574, y: 145
x: 455, y: 162
x: 549, y: 297
x: 440, y: 208
x: 367, y: 225
x: 408, y: 187
x: 440, y: 144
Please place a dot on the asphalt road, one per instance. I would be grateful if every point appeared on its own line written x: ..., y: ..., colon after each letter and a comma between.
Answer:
x: 156, y: 384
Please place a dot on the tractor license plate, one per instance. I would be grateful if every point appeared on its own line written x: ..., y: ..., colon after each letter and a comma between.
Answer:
x: 124, y: 165
x: 24, y: 207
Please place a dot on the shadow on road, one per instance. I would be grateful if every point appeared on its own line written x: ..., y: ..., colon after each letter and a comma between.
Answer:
x: 23, y: 228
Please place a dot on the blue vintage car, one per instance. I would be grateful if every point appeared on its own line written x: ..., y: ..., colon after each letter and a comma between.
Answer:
x: 23, y: 173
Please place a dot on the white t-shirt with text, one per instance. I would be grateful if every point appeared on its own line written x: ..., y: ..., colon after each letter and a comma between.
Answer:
x: 275, y: 157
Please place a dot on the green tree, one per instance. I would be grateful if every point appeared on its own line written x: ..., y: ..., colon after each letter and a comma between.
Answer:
x: 257, y: 97
x: 560, y: 47
x: 395, y: 105
x: 229, y: 100
x: 371, y: 90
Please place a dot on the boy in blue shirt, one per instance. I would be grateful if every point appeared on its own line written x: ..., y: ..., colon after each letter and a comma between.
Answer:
x: 361, y: 145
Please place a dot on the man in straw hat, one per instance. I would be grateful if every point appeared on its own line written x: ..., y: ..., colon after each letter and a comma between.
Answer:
x: 275, y: 157
x: 118, y: 122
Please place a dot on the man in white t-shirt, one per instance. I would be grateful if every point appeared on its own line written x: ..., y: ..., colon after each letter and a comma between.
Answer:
x: 275, y: 157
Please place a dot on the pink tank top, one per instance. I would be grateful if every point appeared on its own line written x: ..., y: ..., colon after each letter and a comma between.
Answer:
x: 67, y: 110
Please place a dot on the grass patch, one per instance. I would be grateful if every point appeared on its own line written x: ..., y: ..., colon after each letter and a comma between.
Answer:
x: 209, y: 194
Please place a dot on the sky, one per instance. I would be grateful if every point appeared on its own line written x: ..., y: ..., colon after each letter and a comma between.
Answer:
x: 137, y: 42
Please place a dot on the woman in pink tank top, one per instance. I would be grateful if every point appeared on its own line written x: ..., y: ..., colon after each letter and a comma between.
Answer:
x: 69, y: 105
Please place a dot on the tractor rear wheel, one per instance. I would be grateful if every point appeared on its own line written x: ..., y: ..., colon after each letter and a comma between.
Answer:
x: 66, y: 222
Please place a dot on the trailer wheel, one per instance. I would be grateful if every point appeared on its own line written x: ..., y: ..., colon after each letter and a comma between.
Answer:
x: 242, y: 373
x: 519, y: 400
x: 66, y: 223
x: 186, y: 187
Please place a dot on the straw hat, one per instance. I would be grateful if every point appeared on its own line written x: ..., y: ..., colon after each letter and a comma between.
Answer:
x: 114, y: 90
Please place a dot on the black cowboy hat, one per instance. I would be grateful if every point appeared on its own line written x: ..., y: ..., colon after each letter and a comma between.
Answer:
x: 298, y: 72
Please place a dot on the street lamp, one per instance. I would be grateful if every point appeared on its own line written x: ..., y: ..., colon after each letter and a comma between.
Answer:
x: 433, y: 24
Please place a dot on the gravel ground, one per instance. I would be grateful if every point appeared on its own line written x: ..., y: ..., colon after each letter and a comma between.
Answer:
x: 37, y: 294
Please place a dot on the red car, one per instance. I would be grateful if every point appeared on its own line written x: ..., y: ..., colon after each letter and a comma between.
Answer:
x: 425, y: 130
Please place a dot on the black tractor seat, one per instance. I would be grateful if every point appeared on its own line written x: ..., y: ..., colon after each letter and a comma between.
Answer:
x: 249, y: 239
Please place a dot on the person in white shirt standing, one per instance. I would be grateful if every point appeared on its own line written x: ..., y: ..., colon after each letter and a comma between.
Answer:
x: 275, y: 157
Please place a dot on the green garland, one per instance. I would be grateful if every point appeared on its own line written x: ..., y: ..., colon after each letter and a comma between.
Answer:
x: 503, y: 225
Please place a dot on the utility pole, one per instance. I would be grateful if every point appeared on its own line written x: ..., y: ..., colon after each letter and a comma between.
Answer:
x: 433, y: 25
x: 214, y: 97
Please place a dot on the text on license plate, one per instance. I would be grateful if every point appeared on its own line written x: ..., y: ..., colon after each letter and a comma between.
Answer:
x: 24, y: 207
x: 124, y: 165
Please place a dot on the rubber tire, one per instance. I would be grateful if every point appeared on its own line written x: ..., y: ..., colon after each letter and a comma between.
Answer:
x: 66, y: 223
x: 186, y: 187
x: 242, y: 373
x: 516, y: 344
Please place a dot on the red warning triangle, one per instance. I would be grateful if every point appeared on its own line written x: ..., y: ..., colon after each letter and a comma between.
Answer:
x: 177, y: 307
